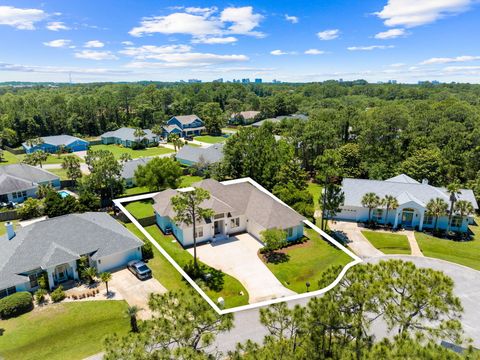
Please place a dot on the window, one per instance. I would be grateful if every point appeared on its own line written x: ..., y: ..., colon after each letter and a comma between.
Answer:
x: 24, y: 194
x: 289, y: 232
x: 234, y: 223
x: 6, y: 292
x: 199, y: 232
x: 428, y: 220
x: 457, y: 221
x: 33, y: 278
x: 378, y: 214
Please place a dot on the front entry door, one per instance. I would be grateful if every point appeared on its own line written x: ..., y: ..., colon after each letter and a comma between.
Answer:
x: 218, y: 227
x: 407, y: 218
x: 61, y: 273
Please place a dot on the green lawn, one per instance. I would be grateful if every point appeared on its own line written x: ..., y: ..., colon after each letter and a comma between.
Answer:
x: 210, y: 139
x: 464, y: 253
x: 119, y: 150
x: 188, y: 180
x: 9, y: 158
x: 62, y: 173
x: 136, y: 190
x: 162, y: 270
x: 72, y: 330
x: 141, y: 209
x: 232, y: 287
x: 388, y: 243
x: 315, y: 190
x: 307, y: 262
x: 3, y: 231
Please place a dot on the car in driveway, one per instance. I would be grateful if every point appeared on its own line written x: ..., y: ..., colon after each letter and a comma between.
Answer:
x: 139, y: 269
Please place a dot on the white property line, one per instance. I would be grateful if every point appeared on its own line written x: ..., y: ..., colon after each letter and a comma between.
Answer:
x: 356, y: 259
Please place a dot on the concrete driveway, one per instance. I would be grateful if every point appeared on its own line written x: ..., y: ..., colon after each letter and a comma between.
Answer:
x: 135, y: 291
x: 358, y: 244
x: 238, y: 257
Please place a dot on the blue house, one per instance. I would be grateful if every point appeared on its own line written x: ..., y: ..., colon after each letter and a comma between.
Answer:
x: 52, y: 144
x: 184, y: 125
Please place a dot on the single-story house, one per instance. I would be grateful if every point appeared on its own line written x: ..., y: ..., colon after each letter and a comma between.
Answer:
x: 184, y: 125
x: 191, y: 155
x: 243, y: 117
x: 52, y: 144
x: 412, y: 197
x: 125, y: 136
x: 55, y: 245
x: 278, y: 119
x: 240, y: 206
x: 20, y: 181
x: 129, y: 167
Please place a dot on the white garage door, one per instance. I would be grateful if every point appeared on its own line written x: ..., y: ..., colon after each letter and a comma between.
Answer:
x: 119, y: 260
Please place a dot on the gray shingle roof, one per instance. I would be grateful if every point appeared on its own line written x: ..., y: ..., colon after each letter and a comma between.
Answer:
x: 58, y: 140
x: 126, y: 133
x: 19, y: 177
x: 404, y: 188
x: 280, y: 118
x: 129, y: 167
x: 247, y: 115
x: 59, y: 240
x: 238, y: 199
x: 209, y: 155
x: 186, y: 119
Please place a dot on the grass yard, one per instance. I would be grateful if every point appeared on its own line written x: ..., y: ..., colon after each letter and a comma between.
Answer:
x: 3, y: 231
x: 210, y: 139
x: 464, y: 253
x: 388, y: 243
x: 141, y: 209
x: 62, y: 331
x: 162, y: 270
x: 9, y: 158
x: 232, y: 287
x: 61, y: 173
x: 119, y: 150
x: 307, y: 262
x: 315, y: 190
x: 188, y: 180
x: 136, y: 190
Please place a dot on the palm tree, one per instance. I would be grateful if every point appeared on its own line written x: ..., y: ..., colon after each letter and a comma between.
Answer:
x: 125, y: 157
x: 71, y: 164
x: 176, y: 141
x: 453, y: 190
x: 390, y: 202
x: 464, y: 208
x: 139, y: 134
x: 157, y: 130
x: 371, y: 201
x: 106, y: 277
x: 437, y: 207
x: 34, y: 141
x: 91, y: 274
x: 43, y: 190
x: 132, y: 312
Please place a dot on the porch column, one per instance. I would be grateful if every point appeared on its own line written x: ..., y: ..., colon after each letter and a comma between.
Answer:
x: 395, y: 223
x: 51, y: 283
x: 420, y: 224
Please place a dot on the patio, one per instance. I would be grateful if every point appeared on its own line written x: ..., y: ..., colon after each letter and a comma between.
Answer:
x: 237, y: 256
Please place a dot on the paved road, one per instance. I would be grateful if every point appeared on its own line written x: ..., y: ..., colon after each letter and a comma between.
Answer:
x: 467, y: 288
x: 359, y: 245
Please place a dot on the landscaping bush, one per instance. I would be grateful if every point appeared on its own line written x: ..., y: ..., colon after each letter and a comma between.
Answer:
x: 43, y: 281
x: 147, y: 251
x: 40, y: 296
x: 274, y: 239
x: 58, y: 294
x: 213, y: 278
x: 16, y: 304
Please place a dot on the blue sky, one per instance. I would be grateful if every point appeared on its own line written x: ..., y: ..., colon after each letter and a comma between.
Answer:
x: 129, y: 40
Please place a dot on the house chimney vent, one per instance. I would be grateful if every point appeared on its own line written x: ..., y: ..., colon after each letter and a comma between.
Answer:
x: 10, y: 230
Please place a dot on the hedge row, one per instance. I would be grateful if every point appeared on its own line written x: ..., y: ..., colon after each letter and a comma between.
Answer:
x: 16, y: 304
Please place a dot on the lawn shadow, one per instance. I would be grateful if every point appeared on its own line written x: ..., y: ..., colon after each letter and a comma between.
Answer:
x: 276, y: 257
x: 2, y: 331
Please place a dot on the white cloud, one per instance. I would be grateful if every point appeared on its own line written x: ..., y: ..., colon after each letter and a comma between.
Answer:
x: 61, y: 70
x: 391, y: 34
x: 59, y: 43
x: 328, y: 34
x: 95, y: 55
x: 56, y: 26
x: 461, y: 68
x: 291, y: 18
x: 397, y: 65
x: 152, y: 51
x: 186, y: 60
x: 411, y: 13
x: 21, y: 19
x: 94, y: 44
x: 446, y: 60
x: 281, y: 52
x: 370, y: 48
x: 214, y: 40
x: 242, y: 20
x: 314, y: 52
x: 202, y: 23
x: 127, y: 43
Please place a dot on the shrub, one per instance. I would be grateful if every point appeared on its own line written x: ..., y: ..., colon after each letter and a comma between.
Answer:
x: 40, y: 296
x: 274, y: 239
x: 58, y: 294
x: 16, y: 304
x: 147, y: 251
x: 213, y: 278
x: 43, y: 281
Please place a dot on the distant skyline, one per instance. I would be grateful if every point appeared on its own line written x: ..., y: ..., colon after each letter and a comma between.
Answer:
x: 301, y: 41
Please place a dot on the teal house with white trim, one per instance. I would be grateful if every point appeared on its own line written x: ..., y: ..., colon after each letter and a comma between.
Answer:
x: 240, y: 206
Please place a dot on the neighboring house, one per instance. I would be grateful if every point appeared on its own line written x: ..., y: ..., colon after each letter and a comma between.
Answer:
x: 184, y: 125
x: 278, y: 119
x: 191, y: 155
x: 243, y: 117
x: 125, y: 137
x: 20, y: 181
x: 55, y: 245
x: 129, y: 167
x: 412, y: 197
x: 239, y: 205
x: 53, y: 144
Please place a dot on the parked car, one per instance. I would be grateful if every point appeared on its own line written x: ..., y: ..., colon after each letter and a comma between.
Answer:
x: 139, y: 269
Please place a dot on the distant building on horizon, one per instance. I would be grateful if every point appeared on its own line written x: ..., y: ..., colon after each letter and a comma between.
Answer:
x: 258, y: 81
x: 246, y: 81
x: 220, y: 80
x: 194, y: 81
